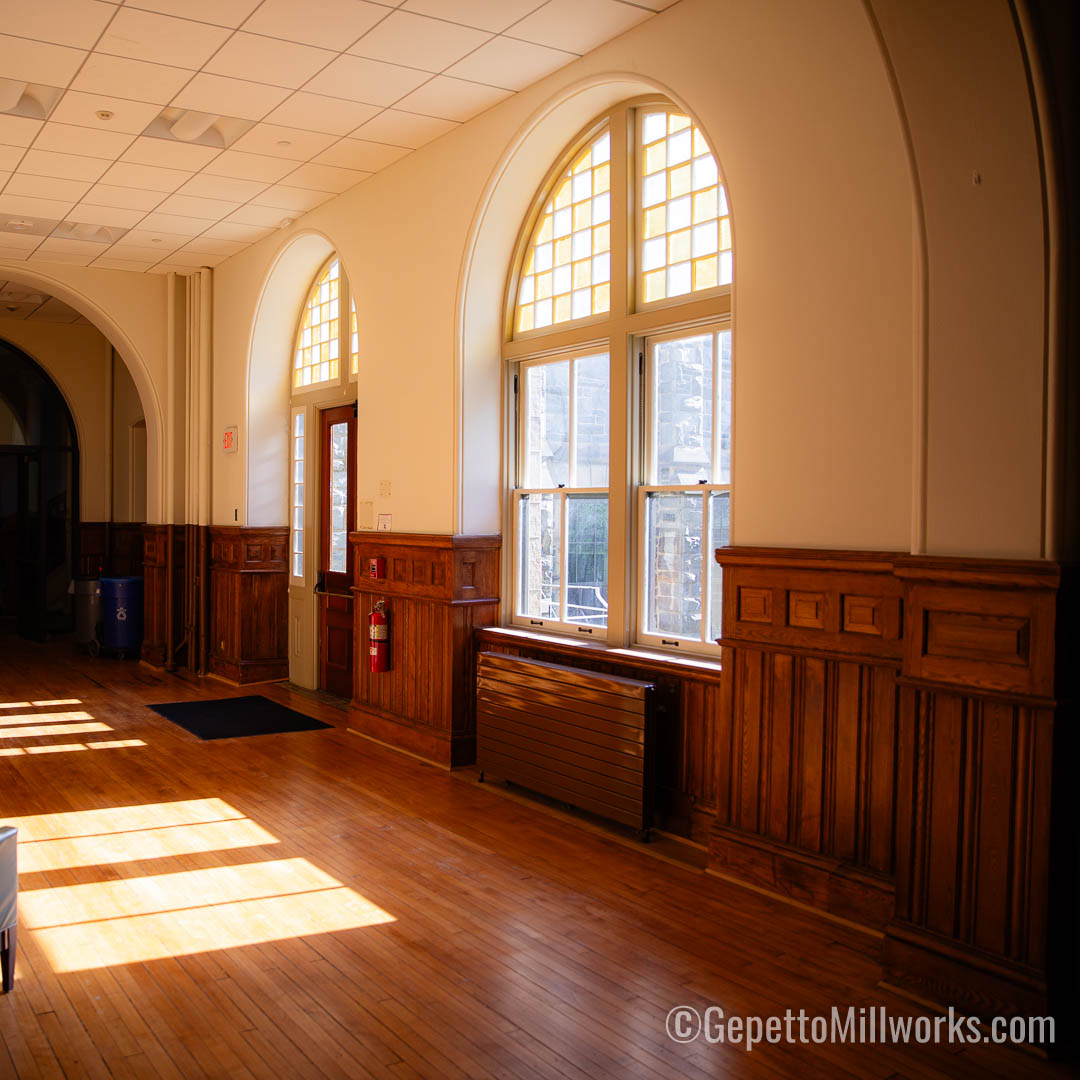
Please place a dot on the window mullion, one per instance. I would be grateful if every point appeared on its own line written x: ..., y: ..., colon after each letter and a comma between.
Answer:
x: 564, y: 554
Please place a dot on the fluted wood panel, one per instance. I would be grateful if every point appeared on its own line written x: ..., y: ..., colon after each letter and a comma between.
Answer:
x: 249, y: 593
x: 437, y: 589
x: 155, y: 577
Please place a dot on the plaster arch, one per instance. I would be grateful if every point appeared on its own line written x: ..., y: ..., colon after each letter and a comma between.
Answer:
x: 267, y: 385
x: 134, y: 361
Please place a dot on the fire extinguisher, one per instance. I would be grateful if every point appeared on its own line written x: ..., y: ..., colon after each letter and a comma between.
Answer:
x: 379, y: 633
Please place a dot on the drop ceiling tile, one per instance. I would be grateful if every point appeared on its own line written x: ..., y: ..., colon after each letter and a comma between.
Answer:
x: 22, y: 241
x: 37, y: 61
x: 282, y: 142
x: 360, y: 79
x: 577, y: 25
x: 230, y: 97
x: 115, y: 216
x: 166, y: 154
x: 55, y: 311
x: 148, y: 246
x: 494, y: 15
x: 63, y: 22
x: 222, y: 12
x: 66, y: 166
x: 419, y: 42
x: 71, y: 247
x: 243, y: 166
x: 452, y: 99
x: 270, y: 217
x: 210, y: 245
x: 41, y: 255
x: 331, y: 24
x: 222, y: 187
x: 251, y: 56
x: 171, y: 268
x: 122, y: 264
x: 88, y: 142
x: 509, y: 63
x: 18, y: 130
x: 403, y: 128
x: 82, y: 109
x: 234, y: 230
x: 172, y: 223
x: 161, y: 39
x: 314, y: 112
x: 298, y: 200
x: 126, y: 198
x: 145, y: 177
x: 325, y: 177
x: 126, y: 78
x: 185, y: 257
x: 358, y: 154
x: 656, y: 5
x: 190, y: 206
x: 14, y: 254
x: 10, y: 156
x: 46, y: 187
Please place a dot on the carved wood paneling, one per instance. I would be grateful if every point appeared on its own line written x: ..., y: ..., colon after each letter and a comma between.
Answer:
x: 438, y: 589
x: 893, y: 728
x: 110, y: 549
x: 249, y: 593
x: 155, y: 577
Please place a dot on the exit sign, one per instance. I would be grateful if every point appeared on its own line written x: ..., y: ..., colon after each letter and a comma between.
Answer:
x: 228, y: 442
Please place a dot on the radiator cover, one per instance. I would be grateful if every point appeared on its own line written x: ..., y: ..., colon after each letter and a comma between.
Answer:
x: 573, y: 735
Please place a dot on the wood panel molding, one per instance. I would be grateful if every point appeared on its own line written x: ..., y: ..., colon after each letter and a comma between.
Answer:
x: 155, y: 539
x: 438, y: 589
x: 892, y: 750
x: 249, y: 593
x: 110, y: 548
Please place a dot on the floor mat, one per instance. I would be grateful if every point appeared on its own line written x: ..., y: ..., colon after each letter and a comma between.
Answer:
x: 236, y: 717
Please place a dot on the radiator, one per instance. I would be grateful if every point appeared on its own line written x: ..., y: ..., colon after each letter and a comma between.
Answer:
x: 572, y: 735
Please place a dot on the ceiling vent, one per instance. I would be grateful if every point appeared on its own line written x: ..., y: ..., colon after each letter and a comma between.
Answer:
x: 33, y: 100
x: 202, y: 129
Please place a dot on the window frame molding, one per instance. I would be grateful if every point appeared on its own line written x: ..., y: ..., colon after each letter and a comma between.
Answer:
x: 345, y: 373
x: 621, y: 332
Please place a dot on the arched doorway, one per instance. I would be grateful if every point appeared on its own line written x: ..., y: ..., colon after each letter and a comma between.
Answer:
x: 39, y: 498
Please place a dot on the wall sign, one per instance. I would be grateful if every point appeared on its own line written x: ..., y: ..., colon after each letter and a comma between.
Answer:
x: 229, y: 440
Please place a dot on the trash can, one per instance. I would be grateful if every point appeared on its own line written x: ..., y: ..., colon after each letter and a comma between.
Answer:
x: 87, y: 611
x: 122, y: 613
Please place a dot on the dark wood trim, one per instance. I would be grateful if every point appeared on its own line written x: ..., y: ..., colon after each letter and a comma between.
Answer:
x: 248, y: 603
x: 328, y: 418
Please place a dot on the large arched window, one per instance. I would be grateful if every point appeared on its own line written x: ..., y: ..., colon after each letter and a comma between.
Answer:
x: 619, y: 352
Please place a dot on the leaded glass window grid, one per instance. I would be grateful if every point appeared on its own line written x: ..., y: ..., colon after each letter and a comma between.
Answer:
x: 342, y: 346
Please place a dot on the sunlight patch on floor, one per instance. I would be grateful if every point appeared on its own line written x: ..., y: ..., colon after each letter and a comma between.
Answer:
x: 14, y: 719
x: 66, y: 748
x: 133, y: 919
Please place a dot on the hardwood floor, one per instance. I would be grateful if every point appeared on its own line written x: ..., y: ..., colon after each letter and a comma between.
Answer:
x: 315, y: 904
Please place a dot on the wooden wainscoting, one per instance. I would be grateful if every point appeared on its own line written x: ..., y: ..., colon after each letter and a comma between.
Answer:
x: 688, y: 711
x: 888, y: 751
x: 155, y: 539
x: 110, y: 548
x: 438, y: 589
x: 249, y: 596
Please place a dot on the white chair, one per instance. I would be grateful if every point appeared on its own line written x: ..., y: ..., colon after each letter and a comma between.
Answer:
x: 9, y: 889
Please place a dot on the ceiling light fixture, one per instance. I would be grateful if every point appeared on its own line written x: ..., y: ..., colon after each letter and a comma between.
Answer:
x: 284, y: 142
x: 104, y: 114
x: 285, y: 222
x: 191, y: 125
x: 19, y: 226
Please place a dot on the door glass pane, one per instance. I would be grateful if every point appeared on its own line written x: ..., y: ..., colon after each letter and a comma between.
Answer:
x: 586, y: 559
x: 547, y: 430
x: 720, y: 517
x: 339, y: 496
x: 673, y: 564
x: 682, y: 410
x: 540, y: 556
x: 591, y: 410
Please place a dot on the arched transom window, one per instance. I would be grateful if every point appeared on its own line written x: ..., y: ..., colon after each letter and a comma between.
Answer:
x: 323, y: 337
x: 619, y: 353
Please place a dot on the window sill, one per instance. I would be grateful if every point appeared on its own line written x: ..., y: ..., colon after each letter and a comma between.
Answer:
x: 653, y: 659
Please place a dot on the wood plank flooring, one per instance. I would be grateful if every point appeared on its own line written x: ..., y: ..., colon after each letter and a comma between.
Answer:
x: 317, y: 905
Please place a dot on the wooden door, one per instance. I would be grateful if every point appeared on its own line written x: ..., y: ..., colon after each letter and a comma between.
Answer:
x: 337, y: 514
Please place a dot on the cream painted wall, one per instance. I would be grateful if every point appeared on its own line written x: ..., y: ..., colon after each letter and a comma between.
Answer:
x: 77, y: 360
x: 127, y: 412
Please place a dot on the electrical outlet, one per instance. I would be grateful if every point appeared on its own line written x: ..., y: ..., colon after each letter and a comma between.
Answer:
x: 384, y: 487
